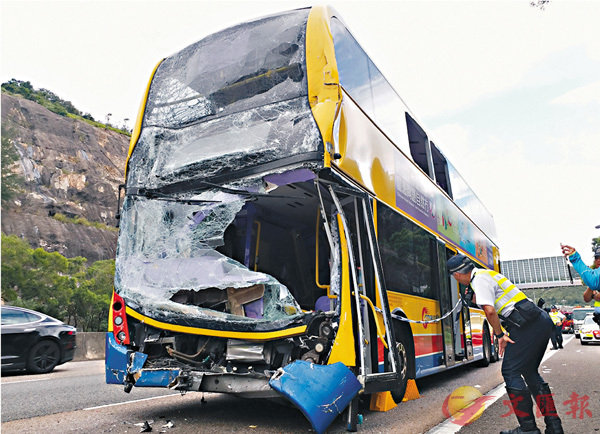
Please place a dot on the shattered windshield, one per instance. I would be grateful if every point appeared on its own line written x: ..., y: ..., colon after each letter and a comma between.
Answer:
x: 237, y: 98
x: 239, y: 68
x: 168, y: 264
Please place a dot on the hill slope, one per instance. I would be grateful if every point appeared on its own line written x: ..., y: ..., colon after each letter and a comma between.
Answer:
x: 69, y: 168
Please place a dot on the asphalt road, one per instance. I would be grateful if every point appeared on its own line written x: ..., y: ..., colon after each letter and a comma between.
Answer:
x: 75, y: 399
x: 72, y: 386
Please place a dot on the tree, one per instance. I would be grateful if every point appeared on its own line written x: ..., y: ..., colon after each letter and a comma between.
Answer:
x: 65, y: 288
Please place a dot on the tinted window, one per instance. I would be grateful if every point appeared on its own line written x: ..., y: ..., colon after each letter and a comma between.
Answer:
x: 468, y: 201
x: 419, y: 145
x: 407, y: 253
x: 440, y: 167
x: 580, y: 314
x: 368, y: 87
x: 11, y: 316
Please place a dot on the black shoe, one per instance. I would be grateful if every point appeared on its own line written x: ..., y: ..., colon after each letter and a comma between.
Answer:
x: 560, y: 347
x: 554, y: 348
x: 522, y: 405
x: 519, y: 430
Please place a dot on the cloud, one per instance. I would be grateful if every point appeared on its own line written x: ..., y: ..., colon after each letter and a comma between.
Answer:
x: 588, y: 94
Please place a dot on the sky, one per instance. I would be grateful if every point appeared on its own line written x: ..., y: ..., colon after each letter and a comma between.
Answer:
x: 510, y: 93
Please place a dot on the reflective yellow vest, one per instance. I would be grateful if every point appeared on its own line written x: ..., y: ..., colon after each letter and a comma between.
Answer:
x: 510, y: 293
x: 555, y: 317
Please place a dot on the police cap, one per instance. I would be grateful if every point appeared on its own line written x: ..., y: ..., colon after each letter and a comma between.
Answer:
x: 459, y: 263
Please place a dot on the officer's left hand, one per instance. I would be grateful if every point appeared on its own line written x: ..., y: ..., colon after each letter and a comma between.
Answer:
x: 502, y: 342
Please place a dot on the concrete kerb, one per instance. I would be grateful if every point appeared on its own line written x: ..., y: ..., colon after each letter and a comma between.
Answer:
x: 90, y: 346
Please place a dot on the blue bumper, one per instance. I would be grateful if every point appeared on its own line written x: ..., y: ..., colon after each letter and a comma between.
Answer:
x: 123, y: 365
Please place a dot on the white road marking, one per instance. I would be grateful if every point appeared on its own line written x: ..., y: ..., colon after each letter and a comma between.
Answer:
x: 26, y: 381
x: 131, y: 402
x: 449, y: 427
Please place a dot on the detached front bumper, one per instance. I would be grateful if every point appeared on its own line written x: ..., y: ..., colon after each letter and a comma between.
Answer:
x: 123, y: 366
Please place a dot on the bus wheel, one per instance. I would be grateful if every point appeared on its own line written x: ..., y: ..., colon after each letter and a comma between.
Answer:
x: 487, y: 348
x: 403, y: 338
x: 496, y: 351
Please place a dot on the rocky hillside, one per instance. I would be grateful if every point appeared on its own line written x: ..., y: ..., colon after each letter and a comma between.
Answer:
x: 71, y: 172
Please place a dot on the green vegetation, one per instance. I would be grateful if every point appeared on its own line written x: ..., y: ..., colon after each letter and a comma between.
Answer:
x: 564, y: 295
x: 83, y: 221
x: 11, y: 182
x: 65, y: 288
x: 53, y: 103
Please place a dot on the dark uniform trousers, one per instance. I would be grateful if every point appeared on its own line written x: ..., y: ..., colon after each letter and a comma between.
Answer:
x: 522, y: 359
x: 556, y: 336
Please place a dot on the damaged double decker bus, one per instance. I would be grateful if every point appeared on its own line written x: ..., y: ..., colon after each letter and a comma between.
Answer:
x: 286, y: 223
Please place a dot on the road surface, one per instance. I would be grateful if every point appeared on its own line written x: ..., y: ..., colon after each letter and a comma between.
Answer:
x: 75, y: 399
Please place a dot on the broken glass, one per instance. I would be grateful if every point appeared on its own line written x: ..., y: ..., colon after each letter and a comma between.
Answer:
x: 236, y: 99
x: 167, y: 258
x: 221, y: 146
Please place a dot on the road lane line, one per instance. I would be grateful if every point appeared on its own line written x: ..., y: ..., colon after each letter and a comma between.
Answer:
x: 27, y: 381
x: 131, y: 402
x: 449, y: 427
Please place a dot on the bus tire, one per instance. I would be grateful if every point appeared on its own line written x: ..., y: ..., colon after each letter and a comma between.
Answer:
x: 405, y: 346
x: 495, y: 350
x: 487, y: 348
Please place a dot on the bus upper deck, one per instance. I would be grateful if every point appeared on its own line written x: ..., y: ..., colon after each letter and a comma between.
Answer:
x: 283, y: 205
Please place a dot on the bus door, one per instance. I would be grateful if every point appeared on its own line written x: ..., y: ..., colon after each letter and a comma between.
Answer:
x: 463, y: 338
x: 456, y: 328
x: 459, y: 343
x: 468, y: 337
x: 449, y: 329
x: 376, y: 361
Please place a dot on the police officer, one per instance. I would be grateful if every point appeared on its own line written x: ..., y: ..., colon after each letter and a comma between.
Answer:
x: 528, y: 331
x: 556, y: 336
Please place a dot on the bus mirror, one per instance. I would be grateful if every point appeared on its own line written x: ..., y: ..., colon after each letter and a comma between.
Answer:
x: 118, y: 213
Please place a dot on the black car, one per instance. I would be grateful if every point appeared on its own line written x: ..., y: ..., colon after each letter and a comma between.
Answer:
x: 34, y: 341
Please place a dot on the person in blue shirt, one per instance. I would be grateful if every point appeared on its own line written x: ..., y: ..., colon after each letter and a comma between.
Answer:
x: 590, y: 277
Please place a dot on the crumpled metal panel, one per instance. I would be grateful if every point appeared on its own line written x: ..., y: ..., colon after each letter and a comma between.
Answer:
x: 166, y: 246
x: 116, y: 359
x: 320, y: 392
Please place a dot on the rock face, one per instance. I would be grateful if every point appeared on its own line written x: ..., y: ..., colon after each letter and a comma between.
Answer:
x: 69, y: 167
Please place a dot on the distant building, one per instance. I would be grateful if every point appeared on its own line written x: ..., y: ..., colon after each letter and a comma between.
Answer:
x: 545, y: 272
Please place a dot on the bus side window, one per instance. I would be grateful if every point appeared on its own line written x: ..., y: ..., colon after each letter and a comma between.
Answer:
x: 440, y: 168
x: 408, y: 255
x: 419, y: 146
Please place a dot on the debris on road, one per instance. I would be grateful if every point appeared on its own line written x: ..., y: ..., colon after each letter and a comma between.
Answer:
x: 145, y: 426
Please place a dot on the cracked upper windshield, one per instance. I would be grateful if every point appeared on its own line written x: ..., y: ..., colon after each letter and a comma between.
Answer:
x: 235, y: 99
